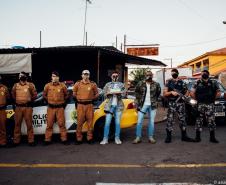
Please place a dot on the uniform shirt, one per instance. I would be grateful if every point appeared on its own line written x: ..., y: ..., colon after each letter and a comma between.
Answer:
x: 24, y: 93
x: 147, y: 100
x: 55, y: 93
x: 205, y: 92
x: 85, y: 91
x: 4, y: 95
x: 178, y: 85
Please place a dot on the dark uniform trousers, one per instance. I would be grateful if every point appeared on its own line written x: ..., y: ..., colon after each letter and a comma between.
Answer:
x: 84, y: 113
x: 2, y: 127
x: 179, y: 108
x: 205, y: 111
x: 26, y: 113
x: 54, y: 114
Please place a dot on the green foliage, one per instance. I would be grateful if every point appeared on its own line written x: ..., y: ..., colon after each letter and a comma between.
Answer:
x: 137, y: 75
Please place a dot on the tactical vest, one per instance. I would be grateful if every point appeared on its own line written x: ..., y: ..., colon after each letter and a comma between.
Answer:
x: 178, y: 85
x: 3, y: 96
x: 55, y: 94
x: 205, y: 92
x: 23, y: 94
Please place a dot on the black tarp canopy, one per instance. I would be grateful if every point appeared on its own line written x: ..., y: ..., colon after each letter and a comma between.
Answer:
x: 71, y: 60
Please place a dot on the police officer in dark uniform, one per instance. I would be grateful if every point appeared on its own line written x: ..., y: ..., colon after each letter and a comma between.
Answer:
x: 205, y: 91
x: 173, y: 86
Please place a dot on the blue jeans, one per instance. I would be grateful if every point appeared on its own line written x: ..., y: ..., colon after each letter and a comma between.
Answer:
x: 141, y: 113
x: 117, y: 115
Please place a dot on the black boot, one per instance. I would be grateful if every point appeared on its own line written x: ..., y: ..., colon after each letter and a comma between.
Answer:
x: 212, y: 137
x: 184, y: 137
x: 168, y: 137
x: 198, y: 136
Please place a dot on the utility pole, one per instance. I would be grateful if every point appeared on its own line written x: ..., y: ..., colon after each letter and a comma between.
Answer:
x: 84, y: 29
x: 116, y: 42
x: 40, y: 39
x: 124, y: 43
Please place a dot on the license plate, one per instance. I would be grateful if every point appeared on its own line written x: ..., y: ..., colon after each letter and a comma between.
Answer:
x: 219, y: 114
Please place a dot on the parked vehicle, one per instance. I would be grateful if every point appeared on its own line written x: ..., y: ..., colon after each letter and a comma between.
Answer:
x: 220, y: 106
x: 129, y: 116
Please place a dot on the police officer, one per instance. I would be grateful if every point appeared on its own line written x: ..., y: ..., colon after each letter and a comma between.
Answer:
x: 4, y: 95
x: 205, y: 91
x: 175, y: 106
x: 23, y: 93
x: 147, y: 93
x: 85, y: 91
x: 55, y: 92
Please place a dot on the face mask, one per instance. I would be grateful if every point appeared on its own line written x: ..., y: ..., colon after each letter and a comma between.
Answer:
x: 174, y: 75
x: 205, y: 76
x: 148, y: 78
x: 114, y: 78
x: 23, y: 78
x: 55, y: 79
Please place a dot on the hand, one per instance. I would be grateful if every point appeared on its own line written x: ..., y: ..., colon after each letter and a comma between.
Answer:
x: 174, y: 93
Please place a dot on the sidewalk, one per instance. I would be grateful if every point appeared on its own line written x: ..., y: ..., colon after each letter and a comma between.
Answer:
x: 161, y: 114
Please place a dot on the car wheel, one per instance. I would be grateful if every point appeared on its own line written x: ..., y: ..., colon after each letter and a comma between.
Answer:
x: 99, y: 129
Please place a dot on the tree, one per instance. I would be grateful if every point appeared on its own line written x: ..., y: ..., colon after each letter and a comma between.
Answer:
x: 137, y: 75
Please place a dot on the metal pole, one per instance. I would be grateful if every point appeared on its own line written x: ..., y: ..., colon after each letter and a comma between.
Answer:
x: 86, y: 39
x: 84, y: 29
x: 124, y: 43
x: 98, y: 68
x: 171, y: 62
x: 116, y: 42
x: 40, y: 39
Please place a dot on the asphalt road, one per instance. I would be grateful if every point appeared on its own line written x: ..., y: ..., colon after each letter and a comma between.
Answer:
x: 177, y: 162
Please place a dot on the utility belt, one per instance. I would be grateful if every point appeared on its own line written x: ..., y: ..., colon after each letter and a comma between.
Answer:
x: 56, y: 105
x: 3, y: 107
x: 24, y: 104
x: 85, y: 102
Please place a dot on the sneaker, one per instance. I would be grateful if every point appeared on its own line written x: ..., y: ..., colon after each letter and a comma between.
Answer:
x: 104, y: 141
x: 137, y: 140
x: 118, y: 141
x: 151, y: 140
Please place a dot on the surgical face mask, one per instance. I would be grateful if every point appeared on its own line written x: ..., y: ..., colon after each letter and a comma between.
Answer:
x: 23, y: 78
x: 55, y: 79
x: 114, y: 78
x: 174, y: 75
x: 205, y: 76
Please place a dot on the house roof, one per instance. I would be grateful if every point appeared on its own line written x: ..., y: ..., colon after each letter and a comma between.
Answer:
x: 221, y: 51
x: 107, y: 50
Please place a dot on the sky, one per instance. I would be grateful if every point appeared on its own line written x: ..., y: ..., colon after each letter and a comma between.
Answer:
x: 184, y: 29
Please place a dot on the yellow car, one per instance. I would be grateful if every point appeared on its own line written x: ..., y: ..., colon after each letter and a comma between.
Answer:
x: 129, y: 117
